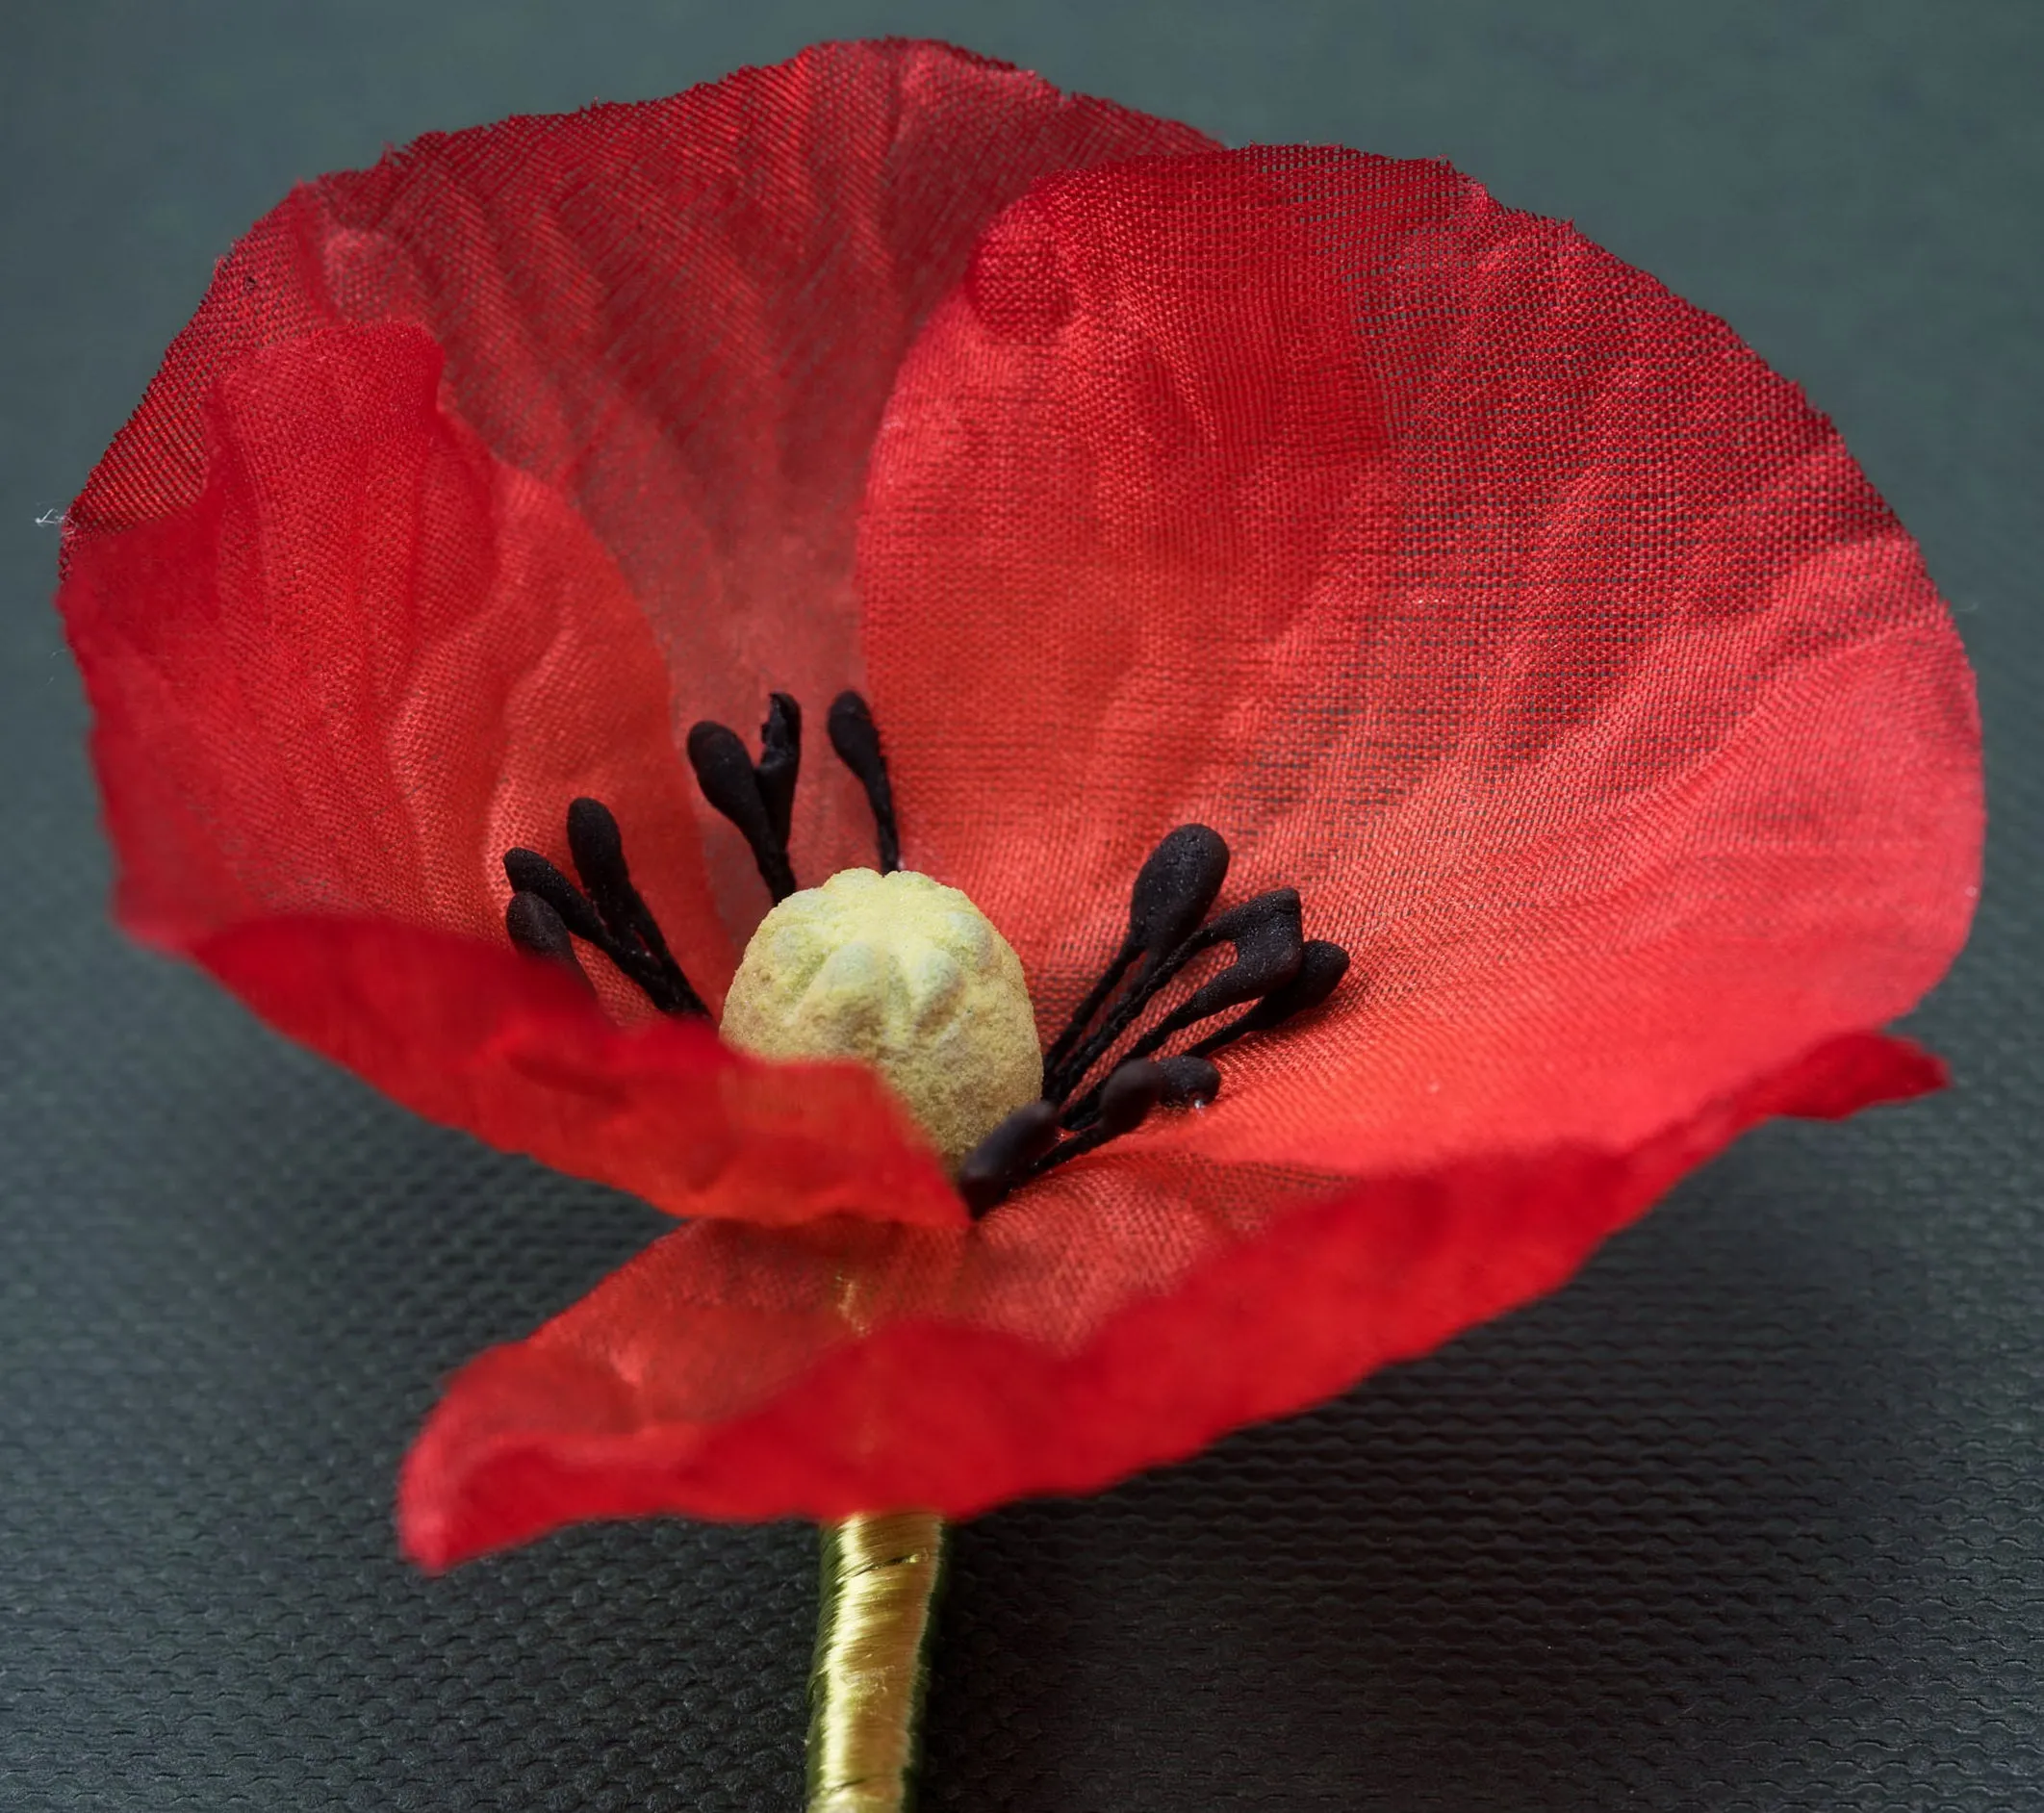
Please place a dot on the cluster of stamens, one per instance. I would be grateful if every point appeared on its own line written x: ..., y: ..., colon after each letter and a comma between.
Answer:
x: 548, y: 912
x: 1276, y: 973
x: 1103, y: 1075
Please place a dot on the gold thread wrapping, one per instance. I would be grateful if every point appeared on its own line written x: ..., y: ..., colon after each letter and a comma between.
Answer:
x: 880, y: 1574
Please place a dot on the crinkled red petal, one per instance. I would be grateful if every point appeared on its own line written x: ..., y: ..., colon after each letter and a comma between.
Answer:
x: 834, y: 1369
x: 684, y: 318
x: 474, y: 478
x: 330, y: 693
x: 363, y: 662
x: 1462, y: 578
x: 471, y: 1036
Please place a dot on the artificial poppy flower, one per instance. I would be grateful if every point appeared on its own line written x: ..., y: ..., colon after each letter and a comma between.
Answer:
x: 1432, y: 562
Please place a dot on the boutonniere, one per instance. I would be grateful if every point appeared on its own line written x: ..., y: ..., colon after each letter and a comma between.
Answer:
x: 1361, y: 738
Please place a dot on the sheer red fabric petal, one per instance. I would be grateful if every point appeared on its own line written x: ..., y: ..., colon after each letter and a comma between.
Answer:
x: 684, y: 316
x: 836, y: 1368
x: 476, y: 478
x: 1461, y: 576
x: 469, y: 1035
x: 363, y: 662
x: 332, y: 691
x: 1464, y: 579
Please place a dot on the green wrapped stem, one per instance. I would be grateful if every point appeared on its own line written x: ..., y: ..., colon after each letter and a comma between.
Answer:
x: 881, y: 1575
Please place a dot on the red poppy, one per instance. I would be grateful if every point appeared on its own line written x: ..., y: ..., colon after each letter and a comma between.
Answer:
x: 1501, y: 602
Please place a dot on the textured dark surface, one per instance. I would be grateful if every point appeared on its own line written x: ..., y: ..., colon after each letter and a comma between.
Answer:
x: 1750, y: 1516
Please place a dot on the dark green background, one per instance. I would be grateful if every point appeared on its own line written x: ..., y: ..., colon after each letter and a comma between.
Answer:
x: 1749, y: 1517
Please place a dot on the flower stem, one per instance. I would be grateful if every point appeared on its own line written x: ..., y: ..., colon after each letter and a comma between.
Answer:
x: 880, y: 1574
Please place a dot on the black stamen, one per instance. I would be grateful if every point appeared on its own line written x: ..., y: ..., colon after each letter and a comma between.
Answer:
x: 1125, y: 1100
x: 530, y: 873
x: 598, y: 847
x: 1268, y: 954
x: 1190, y: 1081
x: 1176, y: 886
x: 1266, y: 934
x: 856, y: 740
x: 1180, y: 880
x: 1321, y: 967
x: 1275, y: 970
x: 611, y: 916
x: 1053, y: 1060
x: 536, y: 928
x: 1128, y: 1095
x: 993, y: 1166
x: 724, y: 773
x: 780, y: 762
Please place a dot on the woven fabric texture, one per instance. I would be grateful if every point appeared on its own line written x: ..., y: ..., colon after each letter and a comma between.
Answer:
x: 1500, y: 611
x: 1744, y: 1517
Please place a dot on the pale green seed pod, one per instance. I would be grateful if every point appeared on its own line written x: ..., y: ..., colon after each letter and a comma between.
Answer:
x: 906, y: 975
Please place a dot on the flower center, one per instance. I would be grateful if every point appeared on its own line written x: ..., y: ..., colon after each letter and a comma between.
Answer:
x: 900, y: 972
x: 906, y: 975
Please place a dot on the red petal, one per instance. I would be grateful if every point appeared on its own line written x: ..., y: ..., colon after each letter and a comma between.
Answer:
x: 359, y: 607
x: 332, y: 691
x: 834, y: 1369
x: 363, y: 663
x: 1462, y: 578
x: 685, y: 318
x: 471, y: 1036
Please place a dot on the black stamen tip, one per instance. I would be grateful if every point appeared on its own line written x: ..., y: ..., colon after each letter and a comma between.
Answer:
x: 1321, y: 966
x: 1188, y: 1080
x: 1127, y: 1097
x: 1274, y: 972
x: 856, y: 738
x: 611, y: 916
x: 1274, y: 912
x: 993, y: 1166
x: 1269, y: 952
x: 530, y: 873
x: 1177, y: 884
x: 629, y: 936
x: 538, y: 930
x: 724, y: 770
x: 724, y: 773
x: 598, y: 847
x: 780, y: 762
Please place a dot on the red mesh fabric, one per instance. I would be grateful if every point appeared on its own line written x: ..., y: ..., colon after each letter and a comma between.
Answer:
x: 333, y: 690
x: 733, y: 1374
x: 681, y: 317
x: 1459, y: 575
x: 1464, y: 579
x: 475, y: 480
